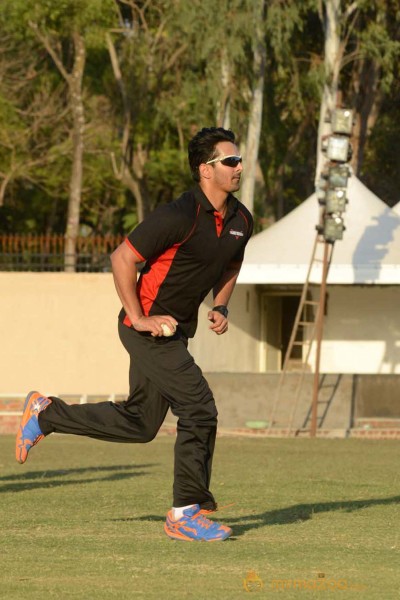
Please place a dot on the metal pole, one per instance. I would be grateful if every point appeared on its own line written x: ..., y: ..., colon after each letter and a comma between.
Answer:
x: 319, y: 329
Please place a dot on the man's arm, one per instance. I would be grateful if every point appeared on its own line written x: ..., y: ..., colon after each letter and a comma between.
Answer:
x: 222, y: 293
x: 124, y: 267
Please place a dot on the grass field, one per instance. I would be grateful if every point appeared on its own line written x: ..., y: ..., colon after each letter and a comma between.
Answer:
x: 312, y: 518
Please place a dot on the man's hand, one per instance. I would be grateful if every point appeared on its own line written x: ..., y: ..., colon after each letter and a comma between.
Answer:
x: 219, y: 322
x: 153, y: 324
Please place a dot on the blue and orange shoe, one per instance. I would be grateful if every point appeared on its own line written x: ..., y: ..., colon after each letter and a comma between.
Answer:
x: 29, y: 432
x: 195, y: 527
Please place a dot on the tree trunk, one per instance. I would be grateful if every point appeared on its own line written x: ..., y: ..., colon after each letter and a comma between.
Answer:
x: 131, y: 175
x: 130, y: 172
x: 7, y: 177
x: 76, y: 103
x: 255, y: 121
x: 74, y: 82
x: 332, y: 59
x: 223, y: 112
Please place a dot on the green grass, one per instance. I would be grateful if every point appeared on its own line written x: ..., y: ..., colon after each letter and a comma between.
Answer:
x: 84, y: 519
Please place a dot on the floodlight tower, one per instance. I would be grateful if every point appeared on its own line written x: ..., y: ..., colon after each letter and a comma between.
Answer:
x: 332, y: 198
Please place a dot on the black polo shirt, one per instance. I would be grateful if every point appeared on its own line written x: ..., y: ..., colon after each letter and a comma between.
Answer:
x: 187, y: 247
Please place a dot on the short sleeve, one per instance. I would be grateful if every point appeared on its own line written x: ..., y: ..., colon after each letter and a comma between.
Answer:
x: 161, y: 230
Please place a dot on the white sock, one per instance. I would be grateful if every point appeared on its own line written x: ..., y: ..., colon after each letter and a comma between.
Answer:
x: 178, y: 512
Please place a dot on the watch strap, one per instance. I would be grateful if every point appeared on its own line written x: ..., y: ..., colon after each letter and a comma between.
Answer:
x: 221, y: 308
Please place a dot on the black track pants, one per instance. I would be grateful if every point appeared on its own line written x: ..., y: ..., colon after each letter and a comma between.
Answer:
x: 162, y: 374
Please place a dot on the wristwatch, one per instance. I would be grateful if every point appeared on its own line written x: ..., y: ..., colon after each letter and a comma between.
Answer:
x: 222, y: 309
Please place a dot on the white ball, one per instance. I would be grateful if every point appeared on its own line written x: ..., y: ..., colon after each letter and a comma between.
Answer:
x: 167, y: 332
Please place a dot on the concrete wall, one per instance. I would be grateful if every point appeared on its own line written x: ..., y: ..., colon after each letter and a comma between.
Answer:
x: 246, y: 397
x: 59, y: 334
x: 361, y: 330
x: 237, y: 351
x: 248, y: 401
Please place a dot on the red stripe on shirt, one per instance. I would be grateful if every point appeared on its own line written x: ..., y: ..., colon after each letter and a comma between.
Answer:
x: 151, y: 282
x: 134, y: 250
x: 127, y: 321
x: 219, y: 222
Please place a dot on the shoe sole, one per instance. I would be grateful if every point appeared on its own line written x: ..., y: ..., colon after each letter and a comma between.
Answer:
x: 175, y: 535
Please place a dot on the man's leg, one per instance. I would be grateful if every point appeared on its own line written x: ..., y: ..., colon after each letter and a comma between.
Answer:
x: 174, y: 373
x: 138, y: 419
x: 172, y: 370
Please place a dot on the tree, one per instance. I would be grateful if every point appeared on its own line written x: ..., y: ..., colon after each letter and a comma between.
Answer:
x: 331, y: 17
x: 293, y: 80
x: 150, y: 74
x: 369, y: 67
x: 256, y: 107
x: 31, y: 114
x: 64, y: 30
x: 73, y: 78
x: 351, y: 60
x: 173, y: 79
x: 142, y: 58
x: 361, y: 49
x: 231, y: 75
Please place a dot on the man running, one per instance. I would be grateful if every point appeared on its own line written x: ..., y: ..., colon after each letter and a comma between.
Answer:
x: 189, y: 247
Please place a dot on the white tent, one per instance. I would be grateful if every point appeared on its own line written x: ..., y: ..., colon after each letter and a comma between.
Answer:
x: 396, y: 208
x: 368, y: 254
x: 362, y: 320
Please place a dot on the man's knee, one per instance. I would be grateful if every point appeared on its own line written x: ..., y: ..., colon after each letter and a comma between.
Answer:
x: 148, y: 434
x: 204, y: 413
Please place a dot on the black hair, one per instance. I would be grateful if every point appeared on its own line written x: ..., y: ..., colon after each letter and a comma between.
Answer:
x: 201, y: 147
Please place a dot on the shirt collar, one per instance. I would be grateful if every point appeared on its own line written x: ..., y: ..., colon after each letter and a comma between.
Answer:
x: 232, y: 202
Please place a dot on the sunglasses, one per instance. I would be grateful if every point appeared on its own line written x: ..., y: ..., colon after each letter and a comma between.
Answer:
x: 228, y: 161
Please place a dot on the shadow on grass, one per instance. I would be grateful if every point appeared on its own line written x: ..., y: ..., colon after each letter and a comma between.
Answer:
x: 304, y: 512
x: 285, y: 516
x: 31, y: 480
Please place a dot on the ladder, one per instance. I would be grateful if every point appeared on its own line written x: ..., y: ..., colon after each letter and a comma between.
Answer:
x: 305, y: 328
x: 327, y: 387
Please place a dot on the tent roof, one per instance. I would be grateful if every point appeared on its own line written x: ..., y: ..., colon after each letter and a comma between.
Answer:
x: 396, y: 208
x: 368, y: 254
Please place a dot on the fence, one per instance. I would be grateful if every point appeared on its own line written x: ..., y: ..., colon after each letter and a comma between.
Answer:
x: 47, y: 252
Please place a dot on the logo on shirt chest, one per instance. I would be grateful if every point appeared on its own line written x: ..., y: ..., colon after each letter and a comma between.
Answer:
x: 237, y: 234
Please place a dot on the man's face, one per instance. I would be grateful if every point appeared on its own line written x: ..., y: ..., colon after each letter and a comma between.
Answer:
x: 222, y: 176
